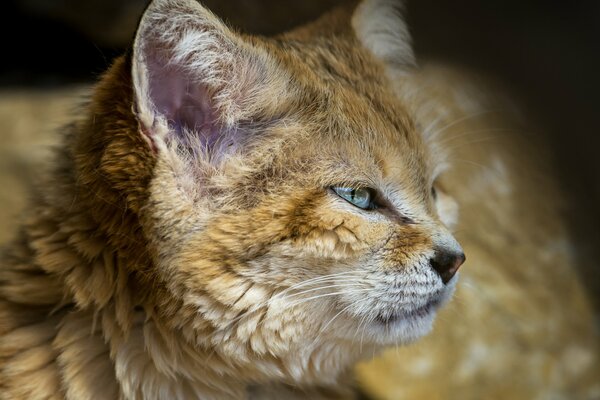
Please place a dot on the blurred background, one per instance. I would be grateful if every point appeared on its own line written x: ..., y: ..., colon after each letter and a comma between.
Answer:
x: 546, y: 52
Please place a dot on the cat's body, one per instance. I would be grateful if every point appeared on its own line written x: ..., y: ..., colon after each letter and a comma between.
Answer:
x: 190, y: 242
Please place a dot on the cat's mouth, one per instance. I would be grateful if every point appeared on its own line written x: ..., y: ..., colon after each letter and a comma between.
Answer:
x: 392, y: 314
x: 389, y: 317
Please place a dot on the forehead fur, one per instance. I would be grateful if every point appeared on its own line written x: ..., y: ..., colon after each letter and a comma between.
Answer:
x: 327, y: 80
x: 345, y: 103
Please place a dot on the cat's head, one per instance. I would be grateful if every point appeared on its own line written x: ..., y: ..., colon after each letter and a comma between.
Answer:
x: 292, y: 196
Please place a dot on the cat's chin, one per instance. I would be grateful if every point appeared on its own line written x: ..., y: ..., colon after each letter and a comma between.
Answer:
x: 401, y: 327
x: 390, y: 329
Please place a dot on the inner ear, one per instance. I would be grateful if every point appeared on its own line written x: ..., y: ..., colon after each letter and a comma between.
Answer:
x: 185, y: 103
x: 198, y: 82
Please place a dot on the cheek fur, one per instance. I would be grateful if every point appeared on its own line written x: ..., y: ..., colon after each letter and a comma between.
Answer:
x: 331, y: 234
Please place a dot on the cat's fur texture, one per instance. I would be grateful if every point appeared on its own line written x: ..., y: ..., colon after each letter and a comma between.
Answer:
x: 187, y: 245
x: 521, y: 324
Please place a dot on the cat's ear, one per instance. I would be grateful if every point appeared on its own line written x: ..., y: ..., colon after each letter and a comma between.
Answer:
x: 195, y: 78
x: 380, y: 26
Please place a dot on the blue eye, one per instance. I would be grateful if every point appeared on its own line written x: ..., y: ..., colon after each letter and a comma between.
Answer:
x: 361, y: 197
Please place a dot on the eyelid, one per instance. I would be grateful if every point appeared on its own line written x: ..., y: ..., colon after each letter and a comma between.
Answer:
x: 353, y: 185
x: 383, y: 205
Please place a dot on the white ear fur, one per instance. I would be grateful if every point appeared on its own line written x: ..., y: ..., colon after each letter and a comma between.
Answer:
x: 163, y: 25
x: 191, y: 73
x: 380, y: 27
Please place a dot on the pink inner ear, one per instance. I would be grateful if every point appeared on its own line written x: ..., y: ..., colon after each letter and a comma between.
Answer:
x: 184, y: 102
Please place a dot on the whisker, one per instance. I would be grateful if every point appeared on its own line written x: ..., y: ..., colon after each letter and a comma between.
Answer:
x: 364, y: 329
x: 327, y: 295
x: 432, y: 124
x: 363, y: 320
x: 356, y: 284
x: 329, y: 323
x: 448, y: 139
x: 318, y: 278
x: 471, y: 142
x: 284, y: 294
x: 302, y: 301
x: 486, y: 168
x: 458, y: 121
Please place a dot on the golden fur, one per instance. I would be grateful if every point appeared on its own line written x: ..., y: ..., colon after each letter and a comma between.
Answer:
x: 521, y: 324
x: 160, y: 262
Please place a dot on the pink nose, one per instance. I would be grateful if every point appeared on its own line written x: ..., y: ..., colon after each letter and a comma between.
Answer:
x: 446, y: 264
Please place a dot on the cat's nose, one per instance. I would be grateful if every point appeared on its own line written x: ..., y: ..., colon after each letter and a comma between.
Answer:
x: 446, y: 263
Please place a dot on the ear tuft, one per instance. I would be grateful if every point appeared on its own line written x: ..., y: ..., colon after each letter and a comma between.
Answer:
x: 380, y: 27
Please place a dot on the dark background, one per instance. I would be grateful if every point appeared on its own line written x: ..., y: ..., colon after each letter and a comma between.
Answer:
x: 547, y: 52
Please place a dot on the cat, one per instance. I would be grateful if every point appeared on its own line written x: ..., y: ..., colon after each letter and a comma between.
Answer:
x: 521, y: 324
x: 232, y: 216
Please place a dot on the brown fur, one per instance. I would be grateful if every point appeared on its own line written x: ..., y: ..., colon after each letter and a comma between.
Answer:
x: 150, y: 269
x: 521, y: 325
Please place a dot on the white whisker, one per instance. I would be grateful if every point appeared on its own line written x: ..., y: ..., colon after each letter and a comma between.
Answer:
x: 458, y: 121
x: 357, y: 284
x: 327, y: 295
x: 324, y: 328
